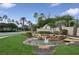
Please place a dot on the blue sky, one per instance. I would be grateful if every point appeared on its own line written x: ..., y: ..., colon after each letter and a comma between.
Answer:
x: 16, y: 11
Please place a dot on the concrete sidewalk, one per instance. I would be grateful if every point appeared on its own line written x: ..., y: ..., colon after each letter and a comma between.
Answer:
x: 3, y: 37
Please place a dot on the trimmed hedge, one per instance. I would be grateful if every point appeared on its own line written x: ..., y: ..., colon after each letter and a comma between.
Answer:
x: 64, y: 31
x: 56, y: 32
x: 29, y: 34
x: 44, y: 32
x: 9, y: 27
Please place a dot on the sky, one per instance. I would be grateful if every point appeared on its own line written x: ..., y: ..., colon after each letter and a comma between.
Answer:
x: 16, y: 11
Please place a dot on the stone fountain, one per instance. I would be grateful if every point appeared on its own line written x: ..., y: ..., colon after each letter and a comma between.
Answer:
x: 42, y: 46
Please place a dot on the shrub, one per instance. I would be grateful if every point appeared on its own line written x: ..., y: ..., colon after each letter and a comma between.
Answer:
x: 29, y: 34
x: 9, y: 27
x: 44, y: 32
x: 56, y: 32
x: 64, y: 32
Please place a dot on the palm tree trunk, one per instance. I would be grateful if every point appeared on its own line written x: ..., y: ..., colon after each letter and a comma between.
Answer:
x: 53, y: 30
x: 75, y: 30
x: 60, y: 28
x: 23, y: 25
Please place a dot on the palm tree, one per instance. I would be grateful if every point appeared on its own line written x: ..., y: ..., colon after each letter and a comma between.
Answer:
x: 67, y: 19
x: 17, y: 22
x: 71, y: 23
x: 59, y: 22
x: 43, y: 16
x: 13, y: 20
x: 63, y: 20
x: 60, y: 26
x: 1, y: 19
x: 30, y: 25
x: 52, y: 26
x: 9, y: 20
x: 36, y: 16
x: 5, y: 18
x: 49, y: 15
x: 75, y: 28
x: 39, y: 17
x: 22, y: 21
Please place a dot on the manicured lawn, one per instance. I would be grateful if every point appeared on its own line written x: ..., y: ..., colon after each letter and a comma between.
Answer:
x: 13, y: 45
x: 67, y: 50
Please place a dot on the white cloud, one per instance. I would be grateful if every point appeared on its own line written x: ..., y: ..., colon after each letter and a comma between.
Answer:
x: 71, y: 11
x: 3, y: 12
x: 55, y: 4
x: 6, y: 5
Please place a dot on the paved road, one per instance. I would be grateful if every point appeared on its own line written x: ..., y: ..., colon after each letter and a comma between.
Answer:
x: 9, y: 33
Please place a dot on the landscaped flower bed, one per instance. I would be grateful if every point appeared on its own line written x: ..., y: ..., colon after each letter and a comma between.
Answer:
x: 50, y: 36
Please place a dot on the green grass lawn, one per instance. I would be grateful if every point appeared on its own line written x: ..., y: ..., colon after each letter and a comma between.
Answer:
x: 67, y: 50
x: 13, y: 46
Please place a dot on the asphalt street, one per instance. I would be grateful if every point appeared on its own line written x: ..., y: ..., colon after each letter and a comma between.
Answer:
x: 9, y: 33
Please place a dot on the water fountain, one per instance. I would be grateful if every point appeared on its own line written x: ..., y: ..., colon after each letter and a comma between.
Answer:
x: 42, y: 45
x: 46, y: 41
x: 41, y: 41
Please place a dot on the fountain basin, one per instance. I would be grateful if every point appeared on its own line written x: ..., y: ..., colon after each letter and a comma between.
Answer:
x: 37, y: 42
x: 40, y: 47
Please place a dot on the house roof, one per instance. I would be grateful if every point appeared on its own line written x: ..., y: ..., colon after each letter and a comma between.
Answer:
x: 46, y: 27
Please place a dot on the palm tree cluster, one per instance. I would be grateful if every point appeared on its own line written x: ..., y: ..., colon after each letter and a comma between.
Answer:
x: 8, y: 24
x: 6, y: 19
x: 57, y: 21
